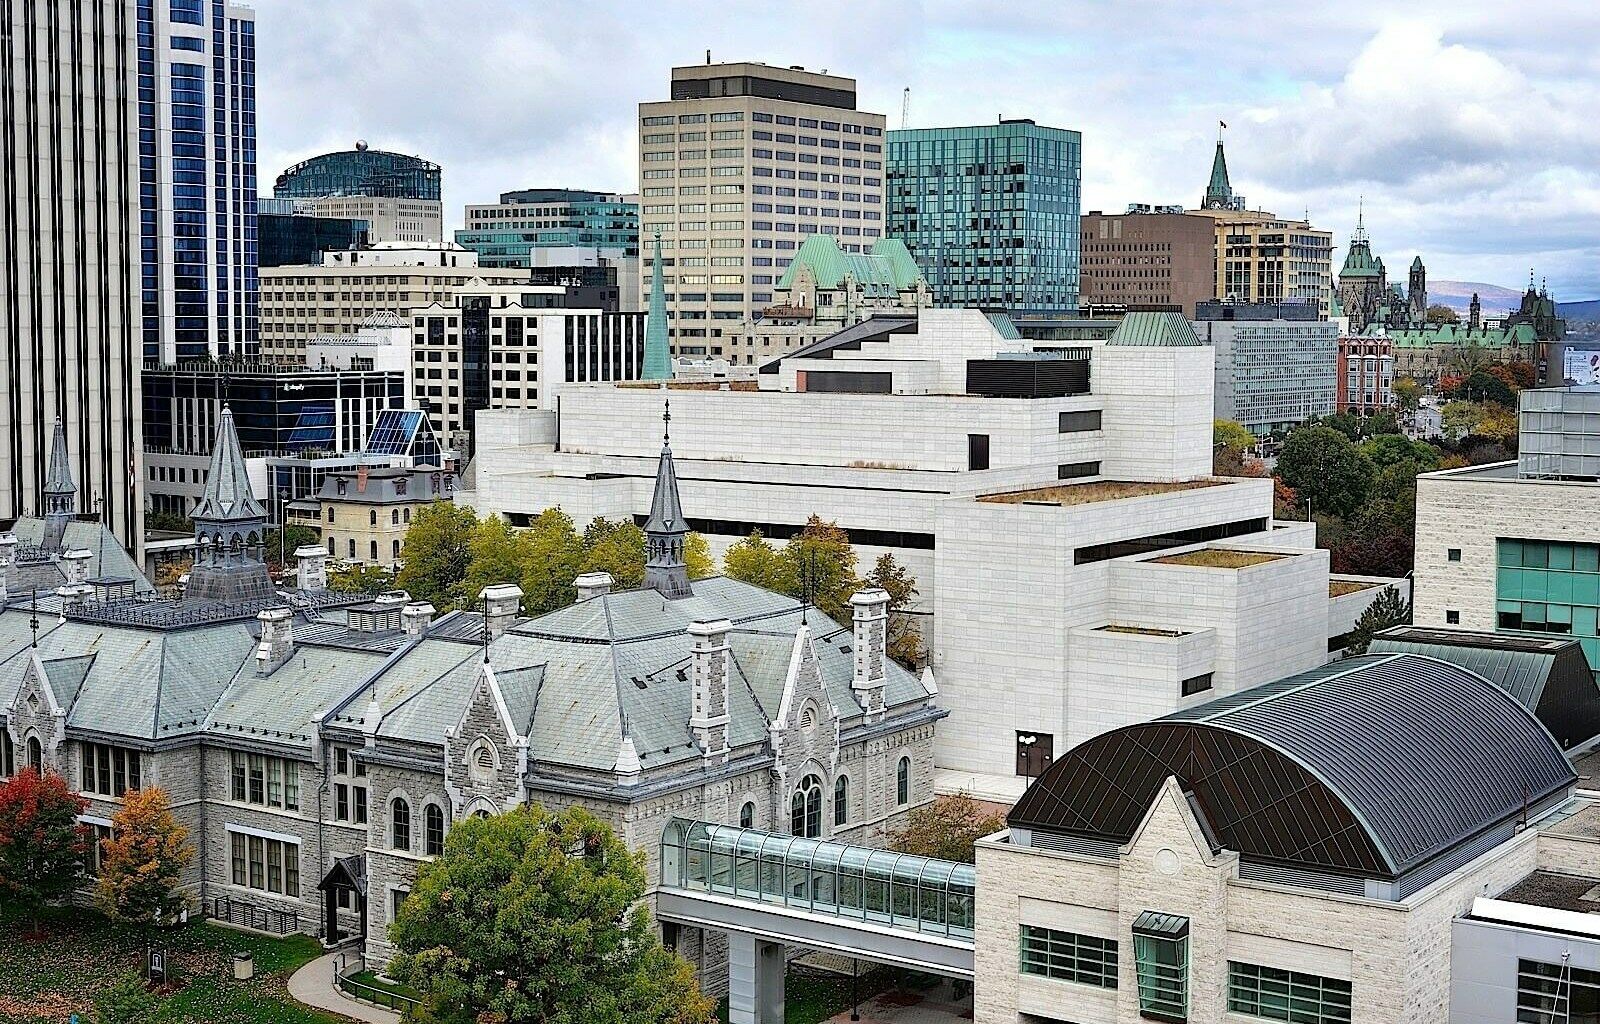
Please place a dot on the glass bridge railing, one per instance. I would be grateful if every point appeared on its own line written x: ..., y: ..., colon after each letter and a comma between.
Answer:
x: 898, y: 890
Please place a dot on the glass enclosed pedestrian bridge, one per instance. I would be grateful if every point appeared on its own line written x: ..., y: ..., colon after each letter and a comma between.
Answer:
x: 855, y: 883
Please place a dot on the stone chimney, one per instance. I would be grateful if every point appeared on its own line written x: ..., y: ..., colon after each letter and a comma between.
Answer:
x: 277, y: 639
x: 592, y: 585
x: 502, y: 603
x: 8, y: 558
x: 75, y: 564
x: 73, y: 596
x: 417, y: 617
x: 313, y: 559
x: 708, y: 716
x: 869, y: 619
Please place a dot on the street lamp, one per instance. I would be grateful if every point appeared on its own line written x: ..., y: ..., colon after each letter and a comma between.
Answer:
x: 1026, y: 742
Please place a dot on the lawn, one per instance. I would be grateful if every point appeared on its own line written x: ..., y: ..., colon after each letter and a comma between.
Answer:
x: 44, y: 980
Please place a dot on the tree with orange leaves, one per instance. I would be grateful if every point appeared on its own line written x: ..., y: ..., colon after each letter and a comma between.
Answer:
x: 143, y: 861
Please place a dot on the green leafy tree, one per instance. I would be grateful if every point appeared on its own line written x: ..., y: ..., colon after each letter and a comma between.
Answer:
x: 537, y: 916
x: 1232, y: 434
x: 1392, y: 449
x: 497, y: 553
x: 948, y: 828
x: 1438, y: 314
x: 820, y: 563
x: 616, y: 548
x: 697, y: 556
x: 294, y: 536
x: 755, y: 560
x: 1387, y: 609
x: 143, y: 861
x: 904, y: 638
x: 1324, y: 465
x: 1460, y: 418
x: 168, y: 522
x: 127, y: 1000
x: 436, y: 554
x: 554, y: 558
x: 1483, y: 386
x: 42, y: 843
x: 360, y: 578
x: 1407, y: 394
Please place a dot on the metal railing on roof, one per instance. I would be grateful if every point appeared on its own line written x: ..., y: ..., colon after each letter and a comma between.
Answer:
x: 898, y: 890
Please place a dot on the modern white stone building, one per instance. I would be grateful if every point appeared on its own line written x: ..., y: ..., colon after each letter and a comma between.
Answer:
x: 1515, y: 546
x: 1048, y: 497
x: 1316, y: 849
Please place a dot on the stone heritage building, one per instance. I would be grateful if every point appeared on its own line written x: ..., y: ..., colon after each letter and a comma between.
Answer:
x: 319, y: 744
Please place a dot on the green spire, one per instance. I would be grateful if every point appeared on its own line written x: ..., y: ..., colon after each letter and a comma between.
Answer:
x: 1218, y: 191
x: 657, y: 350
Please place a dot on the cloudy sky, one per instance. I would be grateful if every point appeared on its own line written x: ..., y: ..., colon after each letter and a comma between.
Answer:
x: 1468, y: 126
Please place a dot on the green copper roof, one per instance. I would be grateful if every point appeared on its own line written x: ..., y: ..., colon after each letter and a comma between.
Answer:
x: 1358, y: 262
x: 1456, y: 335
x: 1155, y: 330
x: 657, y: 349
x: 1218, y: 187
x: 1416, y: 263
x: 884, y: 272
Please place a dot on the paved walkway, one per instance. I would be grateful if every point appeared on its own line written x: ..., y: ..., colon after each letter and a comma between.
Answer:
x: 935, y: 1006
x: 313, y: 985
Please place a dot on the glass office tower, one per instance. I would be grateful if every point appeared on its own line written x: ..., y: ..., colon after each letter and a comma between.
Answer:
x: 990, y: 213
x: 197, y: 178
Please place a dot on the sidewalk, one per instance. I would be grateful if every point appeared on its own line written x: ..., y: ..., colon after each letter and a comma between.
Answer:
x: 935, y: 1006
x: 313, y: 985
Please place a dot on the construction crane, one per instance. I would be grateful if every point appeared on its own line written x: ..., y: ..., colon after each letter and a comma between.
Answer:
x: 905, y: 108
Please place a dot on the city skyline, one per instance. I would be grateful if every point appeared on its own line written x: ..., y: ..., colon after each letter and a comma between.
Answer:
x: 1462, y: 128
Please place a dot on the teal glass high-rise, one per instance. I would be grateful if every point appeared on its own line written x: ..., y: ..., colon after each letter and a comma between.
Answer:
x: 990, y: 213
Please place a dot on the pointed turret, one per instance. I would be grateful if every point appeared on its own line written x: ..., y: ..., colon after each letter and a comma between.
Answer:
x: 665, y: 530
x: 1219, y: 193
x: 60, y: 493
x: 657, y: 347
x: 230, y: 526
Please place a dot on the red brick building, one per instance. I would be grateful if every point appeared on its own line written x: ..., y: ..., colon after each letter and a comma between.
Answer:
x: 1366, y: 374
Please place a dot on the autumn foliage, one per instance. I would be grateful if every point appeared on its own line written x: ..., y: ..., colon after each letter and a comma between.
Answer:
x: 42, y: 842
x: 143, y: 861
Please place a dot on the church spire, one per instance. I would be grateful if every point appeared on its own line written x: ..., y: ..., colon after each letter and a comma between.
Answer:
x: 1219, y: 193
x: 60, y: 493
x: 230, y: 526
x: 657, y: 348
x: 665, y: 530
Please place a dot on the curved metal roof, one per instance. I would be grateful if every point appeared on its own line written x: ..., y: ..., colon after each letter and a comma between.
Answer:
x: 1374, y: 765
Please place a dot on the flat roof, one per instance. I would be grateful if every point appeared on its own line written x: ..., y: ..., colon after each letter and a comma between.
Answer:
x: 1094, y: 490
x: 1221, y: 558
x: 1557, y: 891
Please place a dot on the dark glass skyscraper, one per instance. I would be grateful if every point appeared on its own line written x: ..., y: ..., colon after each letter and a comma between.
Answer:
x: 990, y: 213
x: 197, y: 178
x: 360, y: 172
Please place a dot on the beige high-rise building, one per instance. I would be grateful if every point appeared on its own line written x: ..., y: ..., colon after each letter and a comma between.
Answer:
x: 70, y: 303
x: 302, y: 303
x: 389, y: 218
x: 736, y: 169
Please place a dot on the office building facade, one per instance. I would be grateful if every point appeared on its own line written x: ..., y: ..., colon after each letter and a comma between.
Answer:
x: 1366, y: 375
x: 735, y: 170
x: 507, y: 234
x: 991, y: 213
x: 70, y: 309
x: 396, y: 194
x: 1150, y: 258
x: 333, y: 297
x: 1276, y: 363
x: 197, y: 179
x: 290, y: 238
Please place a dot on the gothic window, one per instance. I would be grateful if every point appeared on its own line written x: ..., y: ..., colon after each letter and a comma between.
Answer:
x: 747, y: 814
x: 902, y: 782
x: 805, y: 808
x: 481, y: 762
x: 8, y: 756
x: 400, y: 823
x: 35, y: 754
x: 841, y: 800
x: 808, y: 716
x: 433, y: 830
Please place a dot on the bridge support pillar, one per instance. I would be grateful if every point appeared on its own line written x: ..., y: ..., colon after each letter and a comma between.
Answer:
x: 755, y: 980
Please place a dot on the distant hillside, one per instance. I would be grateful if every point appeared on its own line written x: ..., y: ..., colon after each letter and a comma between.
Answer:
x: 1588, y: 309
x: 1458, y: 296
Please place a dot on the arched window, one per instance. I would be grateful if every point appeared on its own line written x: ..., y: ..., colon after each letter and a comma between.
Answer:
x: 8, y: 756
x: 372, y: 517
x: 394, y: 517
x: 397, y: 551
x: 35, y: 754
x: 331, y: 550
x: 808, y: 716
x: 330, y: 513
x: 805, y: 808
x: 400, y: 823
x: 406, y: 515
x: 481, y: 762
x: 374, y: 551
x: 902, y: 782
x: 480, y: 814
x: 352, y: 547
x: 747, y: 814
x: 433, y: 830
x: 841, y: 800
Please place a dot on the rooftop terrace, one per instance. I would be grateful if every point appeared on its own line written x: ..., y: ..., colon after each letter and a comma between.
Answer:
x: 1093, y: 491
